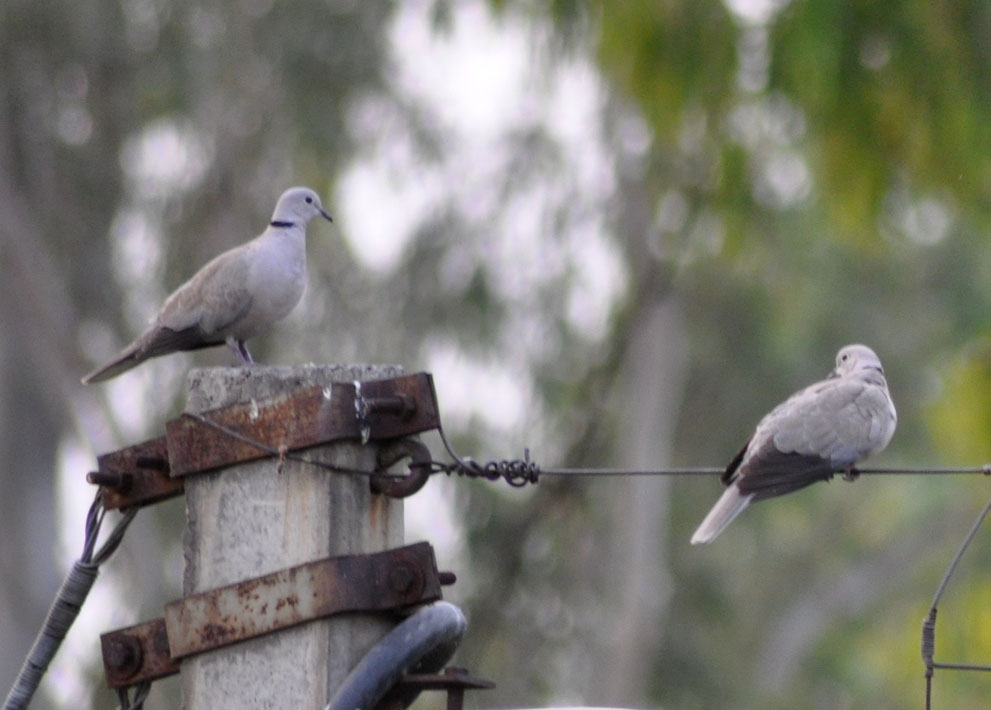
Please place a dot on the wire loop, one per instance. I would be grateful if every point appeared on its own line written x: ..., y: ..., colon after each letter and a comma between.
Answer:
x: 516, y: 472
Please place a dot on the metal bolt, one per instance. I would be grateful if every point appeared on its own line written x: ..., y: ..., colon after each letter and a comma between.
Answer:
x: 123, y: 655
x: 121, y: 482
x: 455, y: 694
x: 400, y: 405
x: 401, y: 578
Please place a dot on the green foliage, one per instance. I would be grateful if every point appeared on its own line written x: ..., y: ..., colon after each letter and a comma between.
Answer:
x: 961, y: 417
x: 840, y: 194
x: 887, y: 105
x: 896, y: 91
x: 652, y: 51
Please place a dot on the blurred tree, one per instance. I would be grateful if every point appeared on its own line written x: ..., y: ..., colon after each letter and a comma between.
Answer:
x: 634, y: 271
x: 56, y: 192
x: 810, y: 188
x: 121, y: 123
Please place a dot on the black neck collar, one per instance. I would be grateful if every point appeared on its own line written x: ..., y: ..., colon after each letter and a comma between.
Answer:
x: 283, y: 224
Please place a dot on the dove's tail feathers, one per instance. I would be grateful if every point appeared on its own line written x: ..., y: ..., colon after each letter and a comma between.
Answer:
x: 154, y: 343
x: 731, y: 504
x: 129, y: 357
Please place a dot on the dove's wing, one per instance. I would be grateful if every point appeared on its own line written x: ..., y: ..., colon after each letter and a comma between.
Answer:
x: 195, y: 316
x: 212, y: 301
x: 823, y: 429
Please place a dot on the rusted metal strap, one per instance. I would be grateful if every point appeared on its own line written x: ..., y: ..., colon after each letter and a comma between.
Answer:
x: 137, y: 475
x: 380, y: 581
x: 373, y: 410
x: 375, y: 582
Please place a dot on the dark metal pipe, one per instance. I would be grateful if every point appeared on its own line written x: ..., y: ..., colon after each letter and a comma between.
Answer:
x: 422, y: 643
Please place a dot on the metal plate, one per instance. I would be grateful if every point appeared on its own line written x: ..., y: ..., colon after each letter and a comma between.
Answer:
x: 382, y: 409
x: 152, y: 471
x: 374, y: 582
x: 380, y: 581
x: 136, y: 475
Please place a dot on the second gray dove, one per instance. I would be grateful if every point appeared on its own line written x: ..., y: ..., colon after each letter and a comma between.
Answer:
x: 821, y: 430
x: 236, y: 296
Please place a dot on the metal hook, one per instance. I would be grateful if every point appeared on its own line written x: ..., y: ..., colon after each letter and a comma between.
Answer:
x: 420, y: 468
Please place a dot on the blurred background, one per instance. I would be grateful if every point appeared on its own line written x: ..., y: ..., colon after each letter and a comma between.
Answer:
x: 617, y: 233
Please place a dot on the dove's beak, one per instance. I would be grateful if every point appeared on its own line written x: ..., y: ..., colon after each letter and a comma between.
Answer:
x: 326, y: 216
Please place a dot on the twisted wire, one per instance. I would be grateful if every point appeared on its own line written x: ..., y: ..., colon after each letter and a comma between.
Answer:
x: 67, y: 604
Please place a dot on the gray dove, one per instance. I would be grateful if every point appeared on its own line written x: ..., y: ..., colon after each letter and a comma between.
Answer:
x: 821, y: 430
x: 236, y: 296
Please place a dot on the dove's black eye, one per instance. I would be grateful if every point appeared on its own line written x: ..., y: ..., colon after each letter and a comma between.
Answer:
x: 309, y: 200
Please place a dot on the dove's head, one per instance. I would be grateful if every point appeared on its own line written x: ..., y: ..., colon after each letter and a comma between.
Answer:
x: 298, y: 205
x: 853, y: 358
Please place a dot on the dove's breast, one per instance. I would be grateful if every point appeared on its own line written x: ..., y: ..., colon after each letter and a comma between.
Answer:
x: 276, y: 281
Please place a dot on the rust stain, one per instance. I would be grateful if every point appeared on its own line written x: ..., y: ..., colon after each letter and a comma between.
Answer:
x: 292, y: 601
x: 378, y: 510
x: 214, y: 634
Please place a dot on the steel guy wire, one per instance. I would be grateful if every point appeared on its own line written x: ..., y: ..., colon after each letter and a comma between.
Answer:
x: 929, y: 623
x: 67, y: 604
x: 520, y: 472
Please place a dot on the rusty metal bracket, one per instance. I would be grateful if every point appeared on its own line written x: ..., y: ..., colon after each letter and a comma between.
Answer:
x: 136, y: 475
x: 454, y: 681
x: 382, y: 581
x: 376, y: 410
x: 372, y: 410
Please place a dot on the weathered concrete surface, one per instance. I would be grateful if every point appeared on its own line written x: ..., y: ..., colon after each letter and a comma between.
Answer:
x: 250, y: 519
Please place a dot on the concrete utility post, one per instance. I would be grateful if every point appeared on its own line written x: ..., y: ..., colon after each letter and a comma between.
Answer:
x: 251, y: 519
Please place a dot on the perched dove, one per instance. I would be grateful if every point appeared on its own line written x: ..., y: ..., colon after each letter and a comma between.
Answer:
x: 236, y: 296
x: 821, y: 430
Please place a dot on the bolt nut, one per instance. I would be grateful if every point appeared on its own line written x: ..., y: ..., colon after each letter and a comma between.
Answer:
x: 406, y: 580
x: 123, y: 655
x: 401, y: 578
